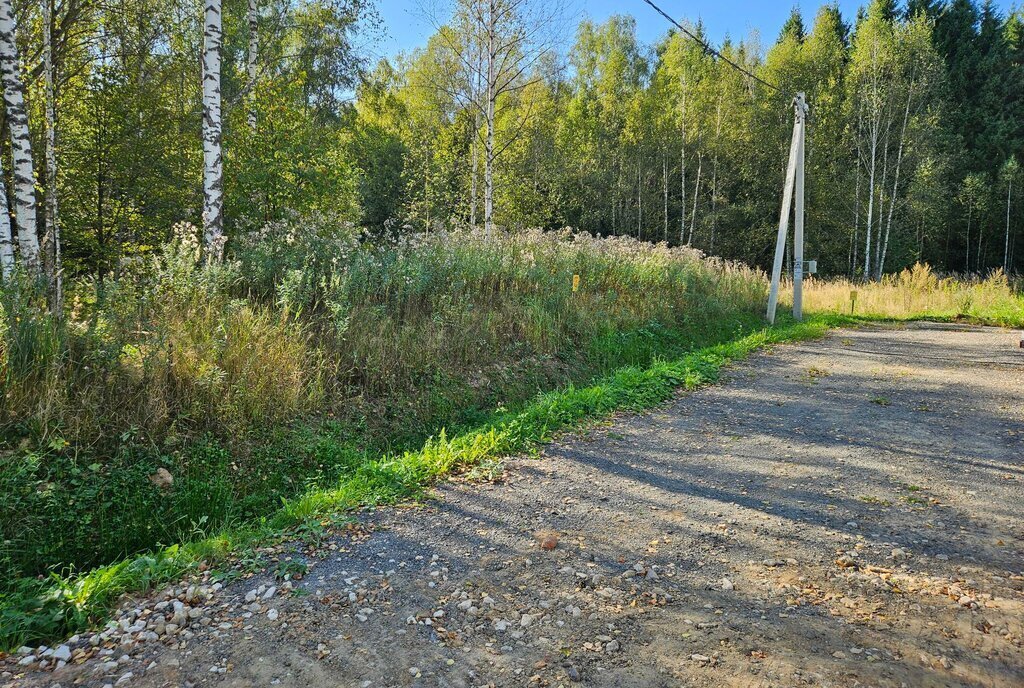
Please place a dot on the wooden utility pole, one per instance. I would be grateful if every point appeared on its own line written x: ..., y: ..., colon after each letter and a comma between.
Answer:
x: 794, y: 182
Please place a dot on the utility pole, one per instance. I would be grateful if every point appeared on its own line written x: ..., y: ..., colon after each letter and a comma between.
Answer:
x: 794, y: 182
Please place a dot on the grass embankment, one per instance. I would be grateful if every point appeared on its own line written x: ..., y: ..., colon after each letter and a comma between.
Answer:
x: 285, y: 375
x: 919, y: 294
x: 42, y: 610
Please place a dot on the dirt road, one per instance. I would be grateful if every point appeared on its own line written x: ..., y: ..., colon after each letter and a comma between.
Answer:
x: 847, y: 512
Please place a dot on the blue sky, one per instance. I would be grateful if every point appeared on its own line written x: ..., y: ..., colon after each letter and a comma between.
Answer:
x: 406, y: 28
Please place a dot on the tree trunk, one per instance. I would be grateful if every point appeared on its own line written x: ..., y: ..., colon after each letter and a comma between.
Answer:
x: 664, y: 172
x: 881, y: 197
x: 21, y: 144
x: 474, y: 166
x: 682, y: 164
x: 871, y: 199
x: 696, y: 195
x: 856, y: 223
x: 251, y: 59
x: 639, y: 200
x: 714, y: 176
x: 6, y: 240
x: 52, y: 232
x: 213, y: 163
x: 896, y: 184
x: 1006, y: 245
x: 967, y: 257
x: 492, y: 97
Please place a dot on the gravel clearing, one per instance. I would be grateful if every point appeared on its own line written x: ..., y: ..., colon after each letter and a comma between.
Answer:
x: 839, y: 513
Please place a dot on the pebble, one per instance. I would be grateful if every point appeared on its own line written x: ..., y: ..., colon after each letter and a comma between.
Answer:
x: 272, y: 615
x: 527, y: 619
x: 727, y: 584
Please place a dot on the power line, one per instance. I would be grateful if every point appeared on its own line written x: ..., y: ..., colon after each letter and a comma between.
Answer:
x: 711, y: 51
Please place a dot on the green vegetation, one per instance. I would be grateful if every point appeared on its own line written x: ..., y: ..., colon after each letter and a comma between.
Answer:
x: 185, y: 399
x: 44, y: 609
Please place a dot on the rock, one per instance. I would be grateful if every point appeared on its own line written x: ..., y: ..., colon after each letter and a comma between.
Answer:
x: 703, y: 659
x: 727, y: 584
x: 27, y: 660
x: 612, y: 646
x: 573, y: 673
x: 414, y: 671
x: 527, y: 619
x: 899, y: 554
x: 180, y: 615
x: 269, y: 593
x: 162, y: 478
x: 62, y: 653
x: 251, y: 595
x: 125, y: 678
x: 272, y: 615
x: 501, y: 625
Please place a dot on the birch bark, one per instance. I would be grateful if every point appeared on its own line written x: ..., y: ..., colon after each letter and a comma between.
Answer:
x: 21, y: 144
x: 213, y: 164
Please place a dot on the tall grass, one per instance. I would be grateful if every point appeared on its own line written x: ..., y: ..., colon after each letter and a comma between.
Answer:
x: 917, y: 293
x: 312, y: 351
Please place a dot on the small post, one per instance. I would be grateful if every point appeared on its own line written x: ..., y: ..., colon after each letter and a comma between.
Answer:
x: 798, y: 223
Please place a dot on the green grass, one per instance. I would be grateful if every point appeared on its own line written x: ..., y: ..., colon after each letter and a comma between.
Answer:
x: 34, y: 610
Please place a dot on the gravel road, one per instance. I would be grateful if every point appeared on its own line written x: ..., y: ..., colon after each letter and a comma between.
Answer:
x: 845, y: 512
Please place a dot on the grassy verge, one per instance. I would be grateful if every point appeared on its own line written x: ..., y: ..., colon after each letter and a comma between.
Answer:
x: 40, y: 610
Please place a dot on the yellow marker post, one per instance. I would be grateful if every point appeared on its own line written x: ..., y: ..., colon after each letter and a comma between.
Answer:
x: 853, y: 300
x: 575, y: 283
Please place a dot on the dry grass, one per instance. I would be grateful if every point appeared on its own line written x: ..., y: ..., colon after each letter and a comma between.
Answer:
x: 918, y: 293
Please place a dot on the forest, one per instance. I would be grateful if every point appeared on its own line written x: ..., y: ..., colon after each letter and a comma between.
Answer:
x: 254, y: 279
x: 914, y: 139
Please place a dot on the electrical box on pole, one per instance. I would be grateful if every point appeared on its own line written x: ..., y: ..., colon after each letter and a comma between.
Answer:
x: 794, y: 186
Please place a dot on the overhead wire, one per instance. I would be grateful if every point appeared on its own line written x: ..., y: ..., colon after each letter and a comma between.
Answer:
x: 709, y: 50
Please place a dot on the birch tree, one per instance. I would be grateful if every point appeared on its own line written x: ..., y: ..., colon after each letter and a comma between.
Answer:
x: 871, y: 74
x: 251, y: 61
x: 1009, y: 174
x: 495, y: 51
x: 52, y: 232
x: 21, y: 143
x: 213, y: 163
x: 6, y: 240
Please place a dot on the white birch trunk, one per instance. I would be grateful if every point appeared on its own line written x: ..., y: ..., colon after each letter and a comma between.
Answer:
x: 682, y: 164
x: 714, y: 176
x: 489, y: 116
x: 21, y: 144
x: 6, y: 240
x: 251, y: 60
x: 664, y: 172
x: 213, y: 163
x: 474, y: 166
x: 871, y: 199
x: 52, y: 217
x: 895, y: 185
x: 696, y: 196
x: 639, y: 200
